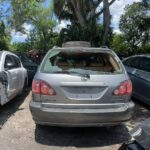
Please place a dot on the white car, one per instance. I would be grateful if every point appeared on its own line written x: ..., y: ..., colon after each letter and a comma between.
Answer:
x: 13, y: 76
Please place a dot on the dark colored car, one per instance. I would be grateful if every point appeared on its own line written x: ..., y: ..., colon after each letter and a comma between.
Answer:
x: 28, y: 64
x: 138, y: 68
x: 122, y: 56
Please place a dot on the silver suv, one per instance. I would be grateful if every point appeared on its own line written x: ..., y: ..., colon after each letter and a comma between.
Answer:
x: 81, y: 87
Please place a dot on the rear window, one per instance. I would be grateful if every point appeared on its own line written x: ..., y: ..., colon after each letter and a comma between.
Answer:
x: 80, y: 62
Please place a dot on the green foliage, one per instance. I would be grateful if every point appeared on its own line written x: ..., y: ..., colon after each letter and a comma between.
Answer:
x: 4, y: 37
x: 23, y: 12
x: 144, y: 49
x: 36, y: 40
x: 32, y: 12
x: 20, y: 47
x: 77, y: 11
x: 135, y: 26
x: 76, y: 32
x: 84, y: 16
x: 146, y: 3
x: 119, y: 45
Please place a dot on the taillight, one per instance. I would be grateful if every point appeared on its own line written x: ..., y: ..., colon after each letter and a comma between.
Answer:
x: 40, y: 87
x: 36, y: 86
x: 125, y: 88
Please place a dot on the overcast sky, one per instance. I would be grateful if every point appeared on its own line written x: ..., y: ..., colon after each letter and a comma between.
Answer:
x: 117, y: 9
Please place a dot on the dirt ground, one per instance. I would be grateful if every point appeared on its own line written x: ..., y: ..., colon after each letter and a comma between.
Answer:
x: 18, y: 131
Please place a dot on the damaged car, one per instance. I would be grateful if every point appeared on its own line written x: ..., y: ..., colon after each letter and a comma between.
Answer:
x: 13, y: 76
x: 28, y: 64
x: 81, y: 86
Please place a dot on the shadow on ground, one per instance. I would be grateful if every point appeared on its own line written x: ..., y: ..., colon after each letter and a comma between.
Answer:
x: 142, y: 111
x: 89, y: 137
x: 11, y: 107
x: 81, y: 137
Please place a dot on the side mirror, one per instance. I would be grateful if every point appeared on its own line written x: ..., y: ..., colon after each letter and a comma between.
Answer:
x: 9, y: 65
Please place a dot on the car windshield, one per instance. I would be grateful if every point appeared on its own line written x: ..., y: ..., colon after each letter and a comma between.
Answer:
x: 81, y: 62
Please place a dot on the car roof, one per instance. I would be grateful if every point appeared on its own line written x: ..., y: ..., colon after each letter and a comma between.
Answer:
x: 8, y: 52
x: 142, y: 55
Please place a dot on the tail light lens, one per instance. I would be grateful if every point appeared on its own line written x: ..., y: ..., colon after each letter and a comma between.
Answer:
x: 125, y: 88
x: 42, y: 88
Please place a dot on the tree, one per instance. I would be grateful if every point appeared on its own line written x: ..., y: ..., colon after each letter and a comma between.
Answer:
x: 78, y: 33
x: 41, y: 18
x: 20, y: 47
x: 85, y: 13
x: 106, y: 22
x: 119, y: 44
x: 4, y: 37
x: 135, y: 25
x: 146, y: 3
x: 36, y: 40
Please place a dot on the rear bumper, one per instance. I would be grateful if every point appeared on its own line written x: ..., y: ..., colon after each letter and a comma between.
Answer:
x: 81, y: 117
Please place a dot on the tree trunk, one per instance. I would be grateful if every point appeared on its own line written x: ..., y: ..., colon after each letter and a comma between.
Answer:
x: 106, y: 22
x: 78, y: 11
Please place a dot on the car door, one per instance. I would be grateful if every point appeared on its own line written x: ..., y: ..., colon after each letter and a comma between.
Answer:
x: 132, y: 65
x: 12, y: 76
x: 143, y: 83
x: 139, y: 72
x: 20, y: 73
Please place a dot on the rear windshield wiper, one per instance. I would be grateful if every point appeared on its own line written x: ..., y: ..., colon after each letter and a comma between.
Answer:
x: 73, y: 72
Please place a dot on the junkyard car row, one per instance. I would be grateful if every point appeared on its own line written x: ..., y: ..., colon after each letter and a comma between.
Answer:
x: 78, y: 86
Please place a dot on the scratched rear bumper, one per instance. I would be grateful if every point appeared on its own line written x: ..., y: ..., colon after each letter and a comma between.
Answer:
x: 81, y: 117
